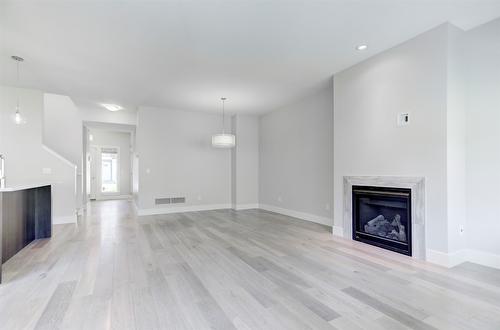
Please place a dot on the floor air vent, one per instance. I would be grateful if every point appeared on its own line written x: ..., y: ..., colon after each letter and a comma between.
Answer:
x: 178, y: 200
x: 173, y: 200
x: 160, y: 201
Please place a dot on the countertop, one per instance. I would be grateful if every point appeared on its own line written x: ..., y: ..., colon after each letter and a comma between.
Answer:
x: 24, y: 186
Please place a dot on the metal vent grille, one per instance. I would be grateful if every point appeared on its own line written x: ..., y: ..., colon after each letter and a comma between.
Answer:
x: 160, y: 201
x: 178, y: 200
x: 173, y: 200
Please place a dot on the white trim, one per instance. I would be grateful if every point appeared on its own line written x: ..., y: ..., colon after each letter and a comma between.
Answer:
x: 64, y: 219
x: 180, y: 209
x: 338, y: 231
x: 240, y: 207
x: 111, y: 197
x: 297, y: 214
x: 483, y: 258
x: 444, y: 259
x: 455, y: 258
x: 95, y: 155
x: 136, y: 208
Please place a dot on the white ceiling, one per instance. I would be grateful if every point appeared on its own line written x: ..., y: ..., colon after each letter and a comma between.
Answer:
x: 187, y: 54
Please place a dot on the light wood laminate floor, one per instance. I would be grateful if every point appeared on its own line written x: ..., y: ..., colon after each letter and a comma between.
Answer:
x: 231, y: 270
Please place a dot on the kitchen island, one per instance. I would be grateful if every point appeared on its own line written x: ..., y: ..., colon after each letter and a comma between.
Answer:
x: 25, y: 215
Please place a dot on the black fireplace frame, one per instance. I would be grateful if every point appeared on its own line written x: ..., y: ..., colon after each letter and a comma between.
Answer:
x: 385, y: 243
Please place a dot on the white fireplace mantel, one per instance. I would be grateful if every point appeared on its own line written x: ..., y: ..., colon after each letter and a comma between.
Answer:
x: 417, y: 186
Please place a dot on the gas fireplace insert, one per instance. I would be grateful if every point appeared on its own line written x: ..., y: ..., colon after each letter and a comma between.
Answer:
x: 381, y: 216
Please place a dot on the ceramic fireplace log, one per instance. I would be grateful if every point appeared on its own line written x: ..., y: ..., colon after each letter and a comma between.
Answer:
x: 380, y: 226
x: 375, y: 220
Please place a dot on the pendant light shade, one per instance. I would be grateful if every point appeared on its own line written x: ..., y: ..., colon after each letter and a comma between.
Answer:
x: 17, y: 117
x: 223, y: 140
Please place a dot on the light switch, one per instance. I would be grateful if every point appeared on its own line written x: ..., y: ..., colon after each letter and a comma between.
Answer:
x: 403, y: 119
x: 46, y: 170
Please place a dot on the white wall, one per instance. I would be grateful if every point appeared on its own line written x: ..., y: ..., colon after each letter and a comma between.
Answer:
x: 62, y: 127
x: 411, y: 77
x: 483, y: 136
x: 62, y: 132
x: 456, y: 141
x: 175, y: 146
x: 26, y: 157
x: 296, y: 158
x: 122, y: 140
x: 233, y: 167
x: 245, y: 162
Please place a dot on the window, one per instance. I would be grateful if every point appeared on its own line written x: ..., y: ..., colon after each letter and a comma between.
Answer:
x: 109, y: 170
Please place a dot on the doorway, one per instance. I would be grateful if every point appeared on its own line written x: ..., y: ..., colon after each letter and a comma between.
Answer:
x: 110, y: 168
x: 109, y: 163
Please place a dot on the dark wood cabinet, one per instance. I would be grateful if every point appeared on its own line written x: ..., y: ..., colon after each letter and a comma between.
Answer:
x: 25, y: 215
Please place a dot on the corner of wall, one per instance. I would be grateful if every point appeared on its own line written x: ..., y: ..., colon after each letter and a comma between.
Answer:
x: 455, y: 141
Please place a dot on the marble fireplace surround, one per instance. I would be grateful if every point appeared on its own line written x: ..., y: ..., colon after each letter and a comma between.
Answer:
x: 417, y: 186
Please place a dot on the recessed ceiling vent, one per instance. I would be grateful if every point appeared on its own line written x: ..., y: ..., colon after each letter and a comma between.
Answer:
x: 172, y: 200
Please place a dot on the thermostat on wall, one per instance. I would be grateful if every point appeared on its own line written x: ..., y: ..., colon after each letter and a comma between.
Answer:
x: 403, y: 119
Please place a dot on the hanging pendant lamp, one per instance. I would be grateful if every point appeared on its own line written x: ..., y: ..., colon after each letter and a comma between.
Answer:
x: 223, y: 140
x: 17, y: 117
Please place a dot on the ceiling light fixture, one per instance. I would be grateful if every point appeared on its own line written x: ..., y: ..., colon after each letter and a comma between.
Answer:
x: 112, y: 107
x: 17, y: 117
x: 223, y: 140
x: 362, y: 47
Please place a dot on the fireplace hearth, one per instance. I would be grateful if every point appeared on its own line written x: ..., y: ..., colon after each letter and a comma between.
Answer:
x: 381, y: 216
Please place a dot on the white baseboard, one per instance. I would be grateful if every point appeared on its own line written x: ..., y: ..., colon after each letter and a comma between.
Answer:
x: 64, y: 219
x: 444, y: 259
x: 180, y: 209
x: 338, y: 231
x: 455, y: 258
x: 111, y: 197
x: 240, y: 207
x: 296, y: 214
x: 483, y: 258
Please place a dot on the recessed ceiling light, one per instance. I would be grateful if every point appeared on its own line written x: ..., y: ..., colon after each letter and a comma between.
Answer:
x: 361, y: 47
x: 112, y: 107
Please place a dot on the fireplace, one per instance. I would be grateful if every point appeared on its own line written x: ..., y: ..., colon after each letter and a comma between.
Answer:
x: 381, y: 216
